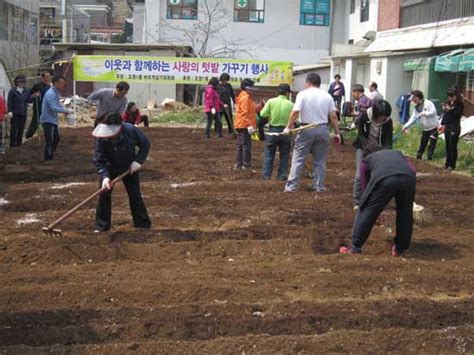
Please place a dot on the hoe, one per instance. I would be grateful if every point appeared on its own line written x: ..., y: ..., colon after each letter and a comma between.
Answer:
x: 54, y: 232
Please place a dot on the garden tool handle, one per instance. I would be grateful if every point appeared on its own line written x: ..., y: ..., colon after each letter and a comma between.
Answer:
x: 95, y: 194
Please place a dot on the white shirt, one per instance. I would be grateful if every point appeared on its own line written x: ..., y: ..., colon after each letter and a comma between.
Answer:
x: 428, y: 117
x: 375, y: 95
x: 314, y: 106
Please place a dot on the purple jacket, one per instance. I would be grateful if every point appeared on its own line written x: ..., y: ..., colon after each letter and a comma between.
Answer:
x: 212, y: 100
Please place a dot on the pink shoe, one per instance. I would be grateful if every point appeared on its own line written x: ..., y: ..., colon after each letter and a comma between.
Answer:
x: 395, y: 252
x: 346, y: 250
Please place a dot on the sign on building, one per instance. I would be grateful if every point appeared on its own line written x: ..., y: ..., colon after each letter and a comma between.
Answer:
x: 178, y: 70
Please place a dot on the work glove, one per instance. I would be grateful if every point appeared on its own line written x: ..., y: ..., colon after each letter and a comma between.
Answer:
x: 107, y: 184
x: 286, y: 130
x: 70, y: 111
x: 441, y: 129
x: 337, y: 139
x: 134, y: 167
x: 10, y: 114
x: 213, y: 111
x: 251, y: 130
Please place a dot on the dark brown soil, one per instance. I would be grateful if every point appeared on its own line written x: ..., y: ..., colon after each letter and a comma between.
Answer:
x: 232, y: 264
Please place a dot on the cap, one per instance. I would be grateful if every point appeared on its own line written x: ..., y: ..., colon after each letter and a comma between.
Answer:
x: 109, y: 128
x: 106, y: 131
x: 284, y: 88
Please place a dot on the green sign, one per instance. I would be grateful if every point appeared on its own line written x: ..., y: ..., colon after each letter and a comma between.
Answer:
x: 242, y: 3
x: 143, y: 69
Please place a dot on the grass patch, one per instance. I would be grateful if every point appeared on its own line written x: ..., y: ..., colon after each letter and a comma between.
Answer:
x: 178, y: 117
x: 409, y: 142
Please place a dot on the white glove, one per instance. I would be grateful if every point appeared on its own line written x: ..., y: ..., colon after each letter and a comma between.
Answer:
x: 213, y: 111
x: 107, y: 184
x: 286, y: 130
x: 251, y: 130
x: 10, y: 114
x: 134, y: 167
x: 70, y: 111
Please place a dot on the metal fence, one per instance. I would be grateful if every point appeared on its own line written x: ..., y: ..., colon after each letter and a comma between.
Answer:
x: 419, y: 13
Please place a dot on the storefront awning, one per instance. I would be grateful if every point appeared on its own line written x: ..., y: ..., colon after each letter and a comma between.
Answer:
x: 449, y: 61
x: 418, y: 64
x: 466, y: 63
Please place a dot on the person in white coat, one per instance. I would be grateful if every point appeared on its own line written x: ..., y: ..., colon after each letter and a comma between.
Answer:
x: 425, y: 112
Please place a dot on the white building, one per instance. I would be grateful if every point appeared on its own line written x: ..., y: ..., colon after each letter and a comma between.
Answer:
x: 298, y: 31
x: 382, y: 46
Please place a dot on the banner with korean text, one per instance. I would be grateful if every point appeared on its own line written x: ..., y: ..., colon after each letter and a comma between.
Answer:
x: 141, y: 69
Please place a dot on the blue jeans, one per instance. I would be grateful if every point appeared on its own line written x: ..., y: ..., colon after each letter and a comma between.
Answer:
x: 314, y: 141
x: 283, y: 143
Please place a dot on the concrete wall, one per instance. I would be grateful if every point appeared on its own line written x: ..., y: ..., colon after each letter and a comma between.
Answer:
x: 280, y: 37
x: 300, y: 78
x: 17, y: 56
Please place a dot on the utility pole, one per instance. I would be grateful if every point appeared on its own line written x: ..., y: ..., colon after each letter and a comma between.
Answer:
x: 63, y: 14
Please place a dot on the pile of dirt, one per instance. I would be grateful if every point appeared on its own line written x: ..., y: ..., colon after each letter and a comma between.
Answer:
x: 231, y: 265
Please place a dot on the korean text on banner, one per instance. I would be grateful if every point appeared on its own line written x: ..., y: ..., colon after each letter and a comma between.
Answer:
x: 178, y: 70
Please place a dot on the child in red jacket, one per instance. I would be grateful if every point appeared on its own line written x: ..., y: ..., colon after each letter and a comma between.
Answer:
x: 132, y: 115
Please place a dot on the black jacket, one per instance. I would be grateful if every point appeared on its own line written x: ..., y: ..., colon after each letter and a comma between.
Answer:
x: 226, y: 93
x: 380, y: 165
x: 38, y: 101
x: 452, y: 118
x: 385, y: 136
x: 116, y: 156
x: 18, y: 103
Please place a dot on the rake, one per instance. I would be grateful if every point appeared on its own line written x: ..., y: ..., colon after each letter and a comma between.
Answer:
x: 420, y: 214
x: 293, y: 131
x: 54, y: 232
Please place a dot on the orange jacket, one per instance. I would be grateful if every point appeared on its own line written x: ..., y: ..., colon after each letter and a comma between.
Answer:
x: 246, y: 111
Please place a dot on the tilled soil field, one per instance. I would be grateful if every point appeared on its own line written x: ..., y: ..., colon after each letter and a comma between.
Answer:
x: 231, y: 265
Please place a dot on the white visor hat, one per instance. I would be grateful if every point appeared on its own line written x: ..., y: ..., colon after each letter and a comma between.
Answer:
x: 106, y: 131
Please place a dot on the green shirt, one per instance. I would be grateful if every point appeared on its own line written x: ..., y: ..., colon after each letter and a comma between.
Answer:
x: 277, y: 110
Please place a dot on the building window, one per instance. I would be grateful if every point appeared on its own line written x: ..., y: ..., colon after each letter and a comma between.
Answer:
x: 353, y: 6
x: 315, y: 12
x: 364, y: 10
x: 249, y: 11
x: 182, y: 9
x: 47, y: 15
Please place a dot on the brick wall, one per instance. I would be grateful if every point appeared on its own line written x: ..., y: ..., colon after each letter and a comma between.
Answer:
x: 389, y: 15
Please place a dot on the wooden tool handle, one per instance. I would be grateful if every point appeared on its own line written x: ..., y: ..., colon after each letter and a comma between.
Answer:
x: 95, y: 194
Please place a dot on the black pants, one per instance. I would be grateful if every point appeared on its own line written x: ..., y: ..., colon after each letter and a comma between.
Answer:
x: 217, y: 122
x: 16, y: 130
x: 430, y: 136
x: 402, y: 187
x: 261, y: 127
x: 227, y: 114
x: 34, y: 120
x: 103, y: 217
x: 452, y: 138
x: 244, y: 148
x: 145, y: 120
x: 51, y: 140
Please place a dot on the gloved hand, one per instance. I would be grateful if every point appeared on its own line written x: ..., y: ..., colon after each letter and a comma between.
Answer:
x: 441, y: 129
x: 107, y: 184
x: 251, y: 130
x: 70, y: 111
x: 10, y: 114
x: 213, y: 111
x: 134, y: 167
x: 286, y: 130
x: 337, y: 139
x: 226, y: 106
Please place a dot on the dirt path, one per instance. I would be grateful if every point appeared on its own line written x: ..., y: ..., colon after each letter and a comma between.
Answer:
x: 232, y: 264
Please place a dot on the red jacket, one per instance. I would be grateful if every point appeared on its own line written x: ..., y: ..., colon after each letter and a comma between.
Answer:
x: 3, y: 109
x: 132, y: 117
